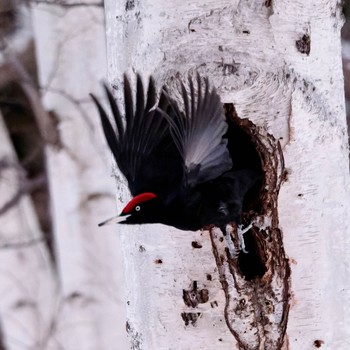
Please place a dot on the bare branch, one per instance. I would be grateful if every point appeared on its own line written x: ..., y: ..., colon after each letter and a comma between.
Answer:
x: 66, y: 4
x: 47, y: 129
x: 77, y: 103
x: 26, y: 186
x: 20, y: 245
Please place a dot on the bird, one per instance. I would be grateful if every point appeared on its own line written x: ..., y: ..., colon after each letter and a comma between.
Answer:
x: 177, y: 157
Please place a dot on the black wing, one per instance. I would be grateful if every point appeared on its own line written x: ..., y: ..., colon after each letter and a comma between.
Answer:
x: 142, y: 145
x: 199, y: 133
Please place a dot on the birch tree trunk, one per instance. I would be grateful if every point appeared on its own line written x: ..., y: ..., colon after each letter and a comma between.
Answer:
x: 78, y: 303
x: 27, y: 279
x: 279, y: 63
x: 70, y: 47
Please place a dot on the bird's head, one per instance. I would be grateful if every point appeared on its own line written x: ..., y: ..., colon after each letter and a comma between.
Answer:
x: 142, y: 209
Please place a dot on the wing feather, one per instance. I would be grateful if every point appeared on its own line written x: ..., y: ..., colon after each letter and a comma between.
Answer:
x: 135, y: 141
x: 157, y: 146
x: 199, y: 132
x: 111, y: 136
x: 115, y: 111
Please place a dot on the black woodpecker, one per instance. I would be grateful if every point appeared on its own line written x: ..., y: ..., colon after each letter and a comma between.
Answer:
x: 175, y: 157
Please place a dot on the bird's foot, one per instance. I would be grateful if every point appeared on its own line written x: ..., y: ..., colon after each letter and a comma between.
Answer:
x: 230, y: 245
x: 240, y: 232
x: 233, y: 250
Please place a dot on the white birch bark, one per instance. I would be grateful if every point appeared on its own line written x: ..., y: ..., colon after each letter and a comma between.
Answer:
x: 70, y: 47
x: 279, y: 62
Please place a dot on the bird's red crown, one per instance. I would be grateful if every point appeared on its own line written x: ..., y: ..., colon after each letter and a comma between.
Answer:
x: 143, y: 197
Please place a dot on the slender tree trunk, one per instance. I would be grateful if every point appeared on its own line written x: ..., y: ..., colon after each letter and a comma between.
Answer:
x: 27, y: 279
x: 70, y: 47
x: 279, y: 63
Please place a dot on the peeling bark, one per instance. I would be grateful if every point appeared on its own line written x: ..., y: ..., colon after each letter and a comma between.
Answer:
x: 257, y: 308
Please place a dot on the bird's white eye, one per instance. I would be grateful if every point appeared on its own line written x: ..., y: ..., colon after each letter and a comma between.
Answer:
x: 137, y: 208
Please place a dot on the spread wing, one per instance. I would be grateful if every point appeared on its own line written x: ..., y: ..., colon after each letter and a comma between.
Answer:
x: 199, y: 133
x: 142, y: 142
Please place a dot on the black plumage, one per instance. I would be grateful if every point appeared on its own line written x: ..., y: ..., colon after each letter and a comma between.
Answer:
x: 176, y: 157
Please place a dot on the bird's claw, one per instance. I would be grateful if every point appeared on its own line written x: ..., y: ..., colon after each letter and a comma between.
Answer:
x: 230, y: 245
x: 240, y: 232
x: 234, y: 252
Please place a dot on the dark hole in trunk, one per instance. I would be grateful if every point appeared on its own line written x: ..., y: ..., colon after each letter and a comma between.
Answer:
x: 245, y: 153
x: 251, y: 264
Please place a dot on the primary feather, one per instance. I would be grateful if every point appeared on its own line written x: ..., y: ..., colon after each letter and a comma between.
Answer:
x: 138, y: 142
x: 199, y: 133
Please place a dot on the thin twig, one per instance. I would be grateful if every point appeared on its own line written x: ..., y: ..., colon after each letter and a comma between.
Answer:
x: 66, y: 4
x: 25, y: 187
x: 47, y: 129
x: 20, y: 245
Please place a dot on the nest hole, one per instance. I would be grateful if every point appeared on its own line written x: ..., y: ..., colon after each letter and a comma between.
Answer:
x: 244, y: 153
x: 251, y: 263
x: 243, y: 146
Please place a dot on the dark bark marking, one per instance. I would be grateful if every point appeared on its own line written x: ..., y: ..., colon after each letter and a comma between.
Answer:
x: 304, y: 44
x: 196, y: 245
x: 129, y: 5
x: 191, y: 317
x: 195, y: 296
x: 318, y: 343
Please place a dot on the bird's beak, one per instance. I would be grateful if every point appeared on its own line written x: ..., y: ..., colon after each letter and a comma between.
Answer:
x: 114, y: 220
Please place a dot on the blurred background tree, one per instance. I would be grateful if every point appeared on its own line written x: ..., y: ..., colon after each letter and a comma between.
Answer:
x: 60, y: 283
